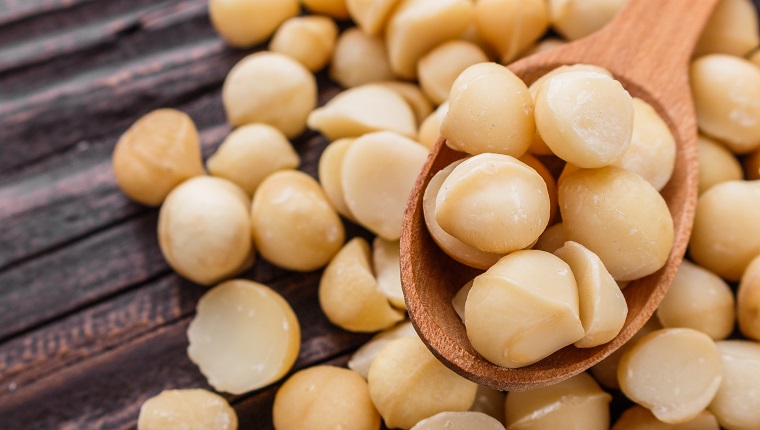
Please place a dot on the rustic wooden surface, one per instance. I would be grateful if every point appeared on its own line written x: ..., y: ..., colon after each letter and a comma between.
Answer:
x: 92, y: 320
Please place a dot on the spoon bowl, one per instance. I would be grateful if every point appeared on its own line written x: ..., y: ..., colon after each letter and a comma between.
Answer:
x: 647, y: 47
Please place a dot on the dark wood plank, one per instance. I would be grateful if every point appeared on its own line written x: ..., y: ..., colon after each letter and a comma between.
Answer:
x: 17, y: 10
x: 106, y: 390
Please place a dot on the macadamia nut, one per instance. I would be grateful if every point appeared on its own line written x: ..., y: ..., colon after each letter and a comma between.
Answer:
x: 620, y: 217
x: 652, y: 152
x: 439, y: 68
x: 673, y: 372
x: 716, y: 164
x: 379, y: 170
x: 698, y: 299
x: 190, y: 409
x: 748, y: 300
x: 430, y: 129
x: 724, y: 241
x: 155, y: 154
x: 522, y: 309
x: 585, y: 118
x: 459, y: 421
x: 490, y: 110
x: 494, y: 203
x: 349, y: 295
x: 552, y: 239
x: 511, y: 26
x: 324, y: 398
x: 244, y: 336
x: 737, y: 402
x: 292, y: 222
x: 408, y: 384
x: 417, y: 26
x: 731, y: 29
x: 310, y: 40
x: 330, y: 171
x: 362, y: 359
x: 244, y: 23
x: 371, y: 15
x: 413, y: 95
x: 362, y: 110
x: 605, y: 372
x: 638, y: 418
x: 577, y: 400
x: 578, y: 18
x: 203, y: 230
x: 270, y: 88
x: 251, y: 153
x: 359, y: 59
x: 726, y: 92
x: 601, y: 303
x: 385, y: 256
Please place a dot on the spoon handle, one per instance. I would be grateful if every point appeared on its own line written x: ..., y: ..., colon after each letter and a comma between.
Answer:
x: 651, y: 41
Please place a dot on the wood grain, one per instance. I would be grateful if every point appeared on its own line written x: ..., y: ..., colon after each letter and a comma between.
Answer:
x: 92, y: 321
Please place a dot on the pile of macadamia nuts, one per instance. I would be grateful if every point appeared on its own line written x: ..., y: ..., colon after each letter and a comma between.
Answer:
x: 582, y: 218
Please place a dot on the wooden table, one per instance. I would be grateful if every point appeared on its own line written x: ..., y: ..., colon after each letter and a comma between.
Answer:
x: 92, y: 320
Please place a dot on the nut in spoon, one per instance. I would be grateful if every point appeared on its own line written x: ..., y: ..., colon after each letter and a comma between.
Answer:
x: 647, y: 47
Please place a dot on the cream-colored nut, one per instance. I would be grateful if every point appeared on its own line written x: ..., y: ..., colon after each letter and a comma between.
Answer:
x: 439, y: 68
x: 430, y: 129
x: 490, y: 110
x: 652, y: 152
x: 737, y: 402
x: 359, y: 59
x: 310, y: 40
x: 620, y: 217
x: 371, y: 15
x: 190, y: 409
x: 362, y: 110
x: 489, y: 402
x: 460, y: 298
x: 522, y: 309
x: 552, y: 239
x: 511, y: 26
x: 698, y: 299
x: 244, y: 23
x: 542, y: 46
x: 602, y: 306
x: 385, y: 256
x: 349, y: 294
x: 585, y: 118
x: 413, y: 95
x: 408, y: 384
x: 726, y: 234
x: 244, y: 336
x: 362, y: 359
x: 155, y: 154
x: 732, y: 29
x: 755, y: 57
x: 330, y: 173
x: 251, y: 153
x: 674, y: 372
x: 203, y: 230
x: 324, y: 398
x: 494, y: 203
x: 577, y: 400
x: 716, y: 164
x: 577, y: 18
x: 459, y: 421
x: 551, y: 183
x: 748, y: 300
x: 726, y: 92
x: 292, y: 222
x: 606, y: 370
x: 417, y: 26
x: 638, y: 418
x: 333, y: 8
x: 270, y: 88
x: 379, y: 170
x: 452, y: 246
x: 752, y: 165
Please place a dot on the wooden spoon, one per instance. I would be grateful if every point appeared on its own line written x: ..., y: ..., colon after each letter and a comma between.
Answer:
x: 647, y: 47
